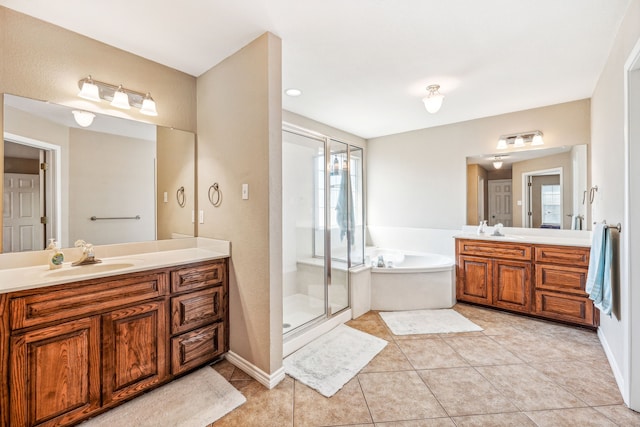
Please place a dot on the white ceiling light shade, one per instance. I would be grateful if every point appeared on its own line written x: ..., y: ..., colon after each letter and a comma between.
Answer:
x: 148, y: 106
x: 83, y: 118
x: 433, y: 100
x: 120, y: 99
x: 502, y: 144
x: 497, y: 164
x: 89, y: 90
x: 293, y: 92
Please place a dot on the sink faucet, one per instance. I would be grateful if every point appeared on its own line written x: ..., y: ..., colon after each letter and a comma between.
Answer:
x: 88, y: 256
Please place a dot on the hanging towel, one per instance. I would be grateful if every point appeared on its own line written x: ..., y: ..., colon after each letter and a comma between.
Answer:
x: 599, y: 276
x: 344, y: 209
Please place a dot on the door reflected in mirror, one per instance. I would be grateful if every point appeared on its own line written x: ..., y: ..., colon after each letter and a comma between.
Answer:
x: 541, y: 188
x: 114, y: 181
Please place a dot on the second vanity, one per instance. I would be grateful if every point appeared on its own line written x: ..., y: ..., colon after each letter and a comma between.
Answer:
x: 77, y: 342
x: 539, y: 276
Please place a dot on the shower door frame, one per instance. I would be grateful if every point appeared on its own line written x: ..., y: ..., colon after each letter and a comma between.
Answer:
x: 328, y: 314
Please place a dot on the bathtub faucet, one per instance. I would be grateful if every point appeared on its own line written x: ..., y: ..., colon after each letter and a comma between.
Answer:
x: 380, y: 261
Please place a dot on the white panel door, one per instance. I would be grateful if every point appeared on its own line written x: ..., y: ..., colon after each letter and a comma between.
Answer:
x: 500, y: 202
x: 21, y: 213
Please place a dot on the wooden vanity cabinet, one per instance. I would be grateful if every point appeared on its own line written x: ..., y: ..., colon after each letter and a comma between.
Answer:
x: 542, y: 280
x: 71, y: 351
x: 494, y: 275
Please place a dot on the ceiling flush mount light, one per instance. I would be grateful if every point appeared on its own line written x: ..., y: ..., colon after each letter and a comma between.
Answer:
x: 497, y: 162
x: 83, y: 118
x: 433, y: 100
x: 519, y: 140
x: 293, y: 92
x: 119, y: 96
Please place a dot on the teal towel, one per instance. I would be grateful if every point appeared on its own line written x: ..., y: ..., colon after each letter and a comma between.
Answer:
x: 599, y: 276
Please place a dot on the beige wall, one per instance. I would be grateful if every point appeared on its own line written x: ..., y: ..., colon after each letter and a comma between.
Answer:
x: 563, y: 161
x: 240, y: 141
x: 43, y: 61
x: 418, y: 179
x: 474, y: 172
x: 608, y: 167
x: 176, y: 168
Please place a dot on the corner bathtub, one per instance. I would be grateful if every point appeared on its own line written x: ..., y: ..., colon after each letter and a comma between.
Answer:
x: 415, y: 281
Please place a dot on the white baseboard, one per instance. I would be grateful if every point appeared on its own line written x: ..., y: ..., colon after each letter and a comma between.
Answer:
x: 617, y: 373
x: 267, y: 380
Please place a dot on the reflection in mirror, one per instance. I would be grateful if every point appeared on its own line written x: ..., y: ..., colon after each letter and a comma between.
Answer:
x: 540, y: 188
x: 96, y: 183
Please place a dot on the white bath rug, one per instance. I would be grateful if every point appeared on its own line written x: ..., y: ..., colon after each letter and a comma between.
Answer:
x: 415, y: 322
x: 195, y: 400
x: 330, y: 361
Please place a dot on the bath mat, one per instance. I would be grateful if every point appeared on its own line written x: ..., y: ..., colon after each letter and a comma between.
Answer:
x: 195, y: 400
x: 415, y: 322
x: 330, y: 361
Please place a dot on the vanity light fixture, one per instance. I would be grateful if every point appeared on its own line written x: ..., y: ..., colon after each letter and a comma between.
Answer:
x: 83, y: 118
x: 119, y: 96
x: 433, y: 100
x: 519, y: 140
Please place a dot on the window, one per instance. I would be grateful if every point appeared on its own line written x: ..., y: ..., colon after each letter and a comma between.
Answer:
x: 551, y: 204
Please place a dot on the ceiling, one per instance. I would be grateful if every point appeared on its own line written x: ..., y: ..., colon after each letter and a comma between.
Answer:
x: 363, y: 65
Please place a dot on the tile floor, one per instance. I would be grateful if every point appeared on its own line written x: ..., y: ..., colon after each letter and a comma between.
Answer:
x: 519, y: 371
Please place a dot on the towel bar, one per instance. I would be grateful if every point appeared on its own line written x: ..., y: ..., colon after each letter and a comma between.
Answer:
x: 618, y: 226
x: 95, y: 218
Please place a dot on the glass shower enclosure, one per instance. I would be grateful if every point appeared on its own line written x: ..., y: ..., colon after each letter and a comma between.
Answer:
x: 323, y: 225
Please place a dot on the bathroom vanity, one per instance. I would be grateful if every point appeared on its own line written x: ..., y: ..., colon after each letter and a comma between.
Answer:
x: 71, y: 350
x: 539, y: 279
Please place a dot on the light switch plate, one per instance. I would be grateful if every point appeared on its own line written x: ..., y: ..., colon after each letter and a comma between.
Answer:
x: 201, y: 217
x: 245, y: 191
x: 166, y: 197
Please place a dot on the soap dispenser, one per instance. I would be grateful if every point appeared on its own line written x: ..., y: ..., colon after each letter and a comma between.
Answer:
x: 482, y: 227
x: 56, y: 258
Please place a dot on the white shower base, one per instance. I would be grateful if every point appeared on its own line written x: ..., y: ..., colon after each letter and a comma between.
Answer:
x: 299, y: 309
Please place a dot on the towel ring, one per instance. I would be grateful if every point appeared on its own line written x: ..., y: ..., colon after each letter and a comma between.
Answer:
x: 181, y: 197
x: 215, y: 195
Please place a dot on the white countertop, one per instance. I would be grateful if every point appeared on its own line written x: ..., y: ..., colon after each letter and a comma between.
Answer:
x: 528, y: 235
x: 126, y: 258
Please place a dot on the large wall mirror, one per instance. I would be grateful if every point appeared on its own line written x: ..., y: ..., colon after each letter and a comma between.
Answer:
x: 113, y: 181
x: 538, y: 188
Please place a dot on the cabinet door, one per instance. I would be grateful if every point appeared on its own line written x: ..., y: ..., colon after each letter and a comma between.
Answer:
x: 512, y: 285
x: 55, y: 373
x: 188, y: 311
x: 134, y: 350
x: 474, y: 279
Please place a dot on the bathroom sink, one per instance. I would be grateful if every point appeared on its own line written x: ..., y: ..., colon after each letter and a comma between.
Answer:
x: 105, y: 267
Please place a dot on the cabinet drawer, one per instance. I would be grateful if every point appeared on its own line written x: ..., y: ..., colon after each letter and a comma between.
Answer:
x: 196, y: 347
x: 563, y: 279
x: 196, y: 309
x: 570, y: 308
x: 201, y: 276
x: 83, y: 298
x: 494, y: 249
x: 564, y: 255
